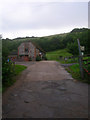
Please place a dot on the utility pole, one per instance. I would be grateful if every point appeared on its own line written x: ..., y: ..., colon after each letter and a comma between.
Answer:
x: 80, y: 60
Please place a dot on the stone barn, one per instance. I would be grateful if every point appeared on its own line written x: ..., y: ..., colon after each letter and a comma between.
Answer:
x: 29, y: 51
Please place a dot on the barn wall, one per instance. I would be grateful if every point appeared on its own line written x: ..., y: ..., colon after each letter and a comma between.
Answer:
x: 21, y: 49
x: 32, y: 51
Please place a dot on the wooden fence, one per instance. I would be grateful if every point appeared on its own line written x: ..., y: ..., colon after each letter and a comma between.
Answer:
x: 75, y: 59
x: 86, y: 64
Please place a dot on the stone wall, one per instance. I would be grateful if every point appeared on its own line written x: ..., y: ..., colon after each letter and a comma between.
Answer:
x: 28, y: 49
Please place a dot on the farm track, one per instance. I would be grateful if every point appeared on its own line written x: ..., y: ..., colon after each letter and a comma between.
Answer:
x: 45, y: 90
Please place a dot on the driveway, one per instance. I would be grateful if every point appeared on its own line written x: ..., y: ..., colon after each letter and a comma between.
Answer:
x: 46, y: 90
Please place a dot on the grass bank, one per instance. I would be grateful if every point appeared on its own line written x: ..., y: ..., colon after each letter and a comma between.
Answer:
x: 18, y: 69
x: 74, y: 70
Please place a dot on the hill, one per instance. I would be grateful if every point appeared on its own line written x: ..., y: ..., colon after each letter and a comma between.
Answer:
x: 53, y: 42
x: 54, y: 55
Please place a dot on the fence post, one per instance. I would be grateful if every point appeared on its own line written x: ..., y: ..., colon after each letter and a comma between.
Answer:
x: 80, y: 60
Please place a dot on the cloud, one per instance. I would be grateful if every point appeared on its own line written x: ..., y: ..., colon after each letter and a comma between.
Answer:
x: 36, y: 32
x: 24, y: 1
x: 41, y: 16
x: 37, y: 16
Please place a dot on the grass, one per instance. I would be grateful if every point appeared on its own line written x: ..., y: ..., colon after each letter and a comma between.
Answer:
x: 69, y: 61
x: 75, y: 72
x: 54, y: 55
x: 18, y: 70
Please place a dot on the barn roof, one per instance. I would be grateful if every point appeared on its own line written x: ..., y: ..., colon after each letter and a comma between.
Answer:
x: 37, y: 46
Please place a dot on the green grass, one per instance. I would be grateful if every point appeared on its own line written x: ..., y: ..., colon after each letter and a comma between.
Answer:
x: 75, y: 72
x: 19, y: 69
x: 11, y: 81
x: 75, y: 68
x: 54, y: 55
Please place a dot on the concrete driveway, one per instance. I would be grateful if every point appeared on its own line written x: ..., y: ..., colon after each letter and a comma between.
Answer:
x: 46, y: 90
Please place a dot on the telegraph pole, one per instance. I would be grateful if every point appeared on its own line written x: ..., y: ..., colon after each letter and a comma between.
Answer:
x: 80, y: 60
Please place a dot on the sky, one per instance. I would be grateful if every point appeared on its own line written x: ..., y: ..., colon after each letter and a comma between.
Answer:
x: 21, y: 18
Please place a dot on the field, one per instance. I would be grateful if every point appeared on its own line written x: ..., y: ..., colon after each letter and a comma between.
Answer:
x: 54, y: 55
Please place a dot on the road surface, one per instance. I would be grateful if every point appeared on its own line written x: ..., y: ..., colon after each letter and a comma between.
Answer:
x: 45, y: 90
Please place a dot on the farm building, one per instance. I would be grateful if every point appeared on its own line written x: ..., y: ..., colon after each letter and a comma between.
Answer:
x: 29, y: 51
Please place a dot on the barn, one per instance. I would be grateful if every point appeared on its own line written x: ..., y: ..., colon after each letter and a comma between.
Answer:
x: 29, y: 51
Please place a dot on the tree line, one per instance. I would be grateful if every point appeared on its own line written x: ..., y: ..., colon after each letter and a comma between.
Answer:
x: 53, y: 42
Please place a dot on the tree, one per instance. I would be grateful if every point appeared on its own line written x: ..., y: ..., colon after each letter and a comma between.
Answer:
x: 73, y: 48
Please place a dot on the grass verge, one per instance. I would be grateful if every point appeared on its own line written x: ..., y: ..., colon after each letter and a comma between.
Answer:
x: 19, y: 69
x: 12, y: 80
x: 74, y: 70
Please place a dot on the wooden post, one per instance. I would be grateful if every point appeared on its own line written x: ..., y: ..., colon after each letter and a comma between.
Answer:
x: 80, y: 60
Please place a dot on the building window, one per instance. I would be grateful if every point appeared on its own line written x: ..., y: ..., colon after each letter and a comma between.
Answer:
x: 26, y: 49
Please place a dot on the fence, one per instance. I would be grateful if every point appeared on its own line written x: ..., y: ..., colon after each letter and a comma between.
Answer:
x: 86, y: 65
x: 75, y: 59
x: 70, y: 59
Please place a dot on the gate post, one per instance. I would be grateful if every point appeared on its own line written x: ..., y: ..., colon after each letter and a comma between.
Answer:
x: 80, y: 60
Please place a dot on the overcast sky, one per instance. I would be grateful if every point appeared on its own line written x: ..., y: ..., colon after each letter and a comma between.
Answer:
x: 27, y: 18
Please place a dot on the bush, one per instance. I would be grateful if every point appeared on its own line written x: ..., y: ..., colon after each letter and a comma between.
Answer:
x: 44, y: 57
x: 7, y: 72
x: 73, y: 48
x: 38, y: 58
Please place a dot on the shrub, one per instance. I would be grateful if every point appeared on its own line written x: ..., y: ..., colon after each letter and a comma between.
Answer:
x: 7, y: 72
x: 38, y: 58
x: 44, y: 57
x: 73, y: 48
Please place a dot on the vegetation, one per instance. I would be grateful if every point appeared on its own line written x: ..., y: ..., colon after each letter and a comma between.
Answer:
x: 19, y: 69
x: 9, y: 71
x: 87, y: 63
x: 38, y: 58
x: 59, y: 56
x: 73, y: 48
x: 55, y: 45
x: 75, y: 72
x: 55, y: 55
x: 54, y: 42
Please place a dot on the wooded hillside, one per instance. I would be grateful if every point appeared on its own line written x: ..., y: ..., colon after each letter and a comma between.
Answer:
x: 53, y: 42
